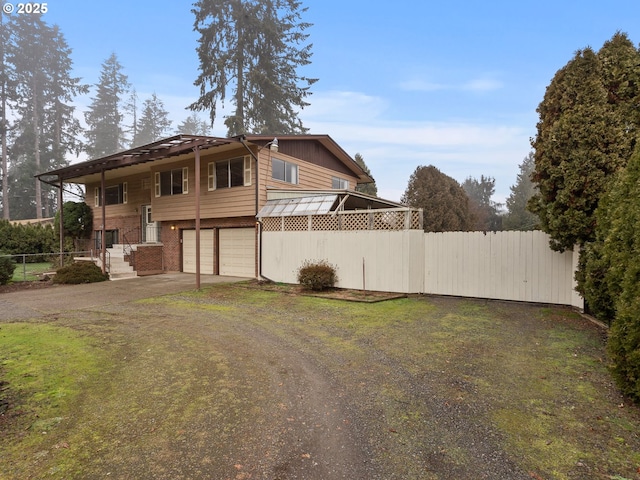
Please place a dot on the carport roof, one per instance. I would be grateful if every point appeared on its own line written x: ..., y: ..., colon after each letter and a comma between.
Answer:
x: 168, y: 147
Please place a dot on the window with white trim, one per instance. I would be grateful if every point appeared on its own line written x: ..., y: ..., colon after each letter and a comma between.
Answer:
x: 284, y: 171
x: 235, y: 172
x: 172, y: 182
x: 339, y: 183
x: 113, y: 195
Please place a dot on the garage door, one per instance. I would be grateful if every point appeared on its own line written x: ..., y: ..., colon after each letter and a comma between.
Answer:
x: 238, y: 252
x: 189, y: 251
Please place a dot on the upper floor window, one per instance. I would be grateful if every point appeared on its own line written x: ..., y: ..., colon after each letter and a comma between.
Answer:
x: 113, y: 195
x: 172, y: 182
x: 285, y: 171
x: 339, y: 183
x: 235, y: 172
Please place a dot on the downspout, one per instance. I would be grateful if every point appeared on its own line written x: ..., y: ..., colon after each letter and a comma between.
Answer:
x: 197, y: 181
x: 242, y: 141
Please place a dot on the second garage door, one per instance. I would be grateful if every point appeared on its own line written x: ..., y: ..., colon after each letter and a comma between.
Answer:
x: 238, y: 252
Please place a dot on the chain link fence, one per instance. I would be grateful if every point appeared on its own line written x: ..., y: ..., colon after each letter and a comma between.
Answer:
x: 36, y: 266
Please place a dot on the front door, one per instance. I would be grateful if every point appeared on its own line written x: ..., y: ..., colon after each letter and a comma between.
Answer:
x: 149, y: 228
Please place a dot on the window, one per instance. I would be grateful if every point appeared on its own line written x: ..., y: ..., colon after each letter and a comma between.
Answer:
x: 285, y: 171
x: 172, y: 182
x: 339, y: 183
x: 235, y: 172
x: 113, y: 195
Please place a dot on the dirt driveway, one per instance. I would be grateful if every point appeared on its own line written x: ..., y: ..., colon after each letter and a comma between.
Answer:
x: 234, y: 383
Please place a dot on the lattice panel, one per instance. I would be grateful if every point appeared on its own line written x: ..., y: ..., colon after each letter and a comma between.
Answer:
x: 296, y: 224
x: 271, y: 224
x: 355, y: 221
x: 388, y: 221
x: 416, y: 220
x: 325, y: 222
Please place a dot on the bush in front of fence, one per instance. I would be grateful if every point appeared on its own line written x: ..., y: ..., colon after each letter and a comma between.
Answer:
x: 7, y: 267
x: 317, y: 276
x: 80, y: 272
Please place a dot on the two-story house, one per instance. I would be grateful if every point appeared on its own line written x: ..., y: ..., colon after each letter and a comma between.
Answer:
x: 189, y: 203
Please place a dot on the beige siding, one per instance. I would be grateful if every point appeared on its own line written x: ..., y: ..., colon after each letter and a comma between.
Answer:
x: 310, y: 176
x: 139, y: 192
x: 504, y: 265
x: 219, y: 203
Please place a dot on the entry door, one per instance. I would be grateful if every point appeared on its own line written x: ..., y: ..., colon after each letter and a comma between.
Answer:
x: 149, y: 228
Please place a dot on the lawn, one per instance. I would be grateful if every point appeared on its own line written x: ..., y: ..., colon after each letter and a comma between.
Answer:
x: 27, y: 272
x: 191, y: 386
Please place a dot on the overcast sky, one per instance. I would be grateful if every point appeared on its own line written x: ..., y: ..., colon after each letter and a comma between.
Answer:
x: 406, y: 83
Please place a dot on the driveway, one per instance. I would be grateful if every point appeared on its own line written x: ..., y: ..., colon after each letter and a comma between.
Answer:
x: 35, y: 302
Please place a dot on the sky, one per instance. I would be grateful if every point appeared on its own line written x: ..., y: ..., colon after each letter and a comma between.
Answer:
x: 407, y: 83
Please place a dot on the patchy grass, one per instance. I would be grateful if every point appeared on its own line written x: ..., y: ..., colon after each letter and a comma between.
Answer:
x: 44, y: 370
x: 174, y: 386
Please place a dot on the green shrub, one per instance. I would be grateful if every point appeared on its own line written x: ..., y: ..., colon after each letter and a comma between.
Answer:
x: 7, y: 266
x: 80, y: 272
x: 317, y: 276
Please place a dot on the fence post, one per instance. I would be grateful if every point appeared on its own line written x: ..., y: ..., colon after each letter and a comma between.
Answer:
x: 24, y: 267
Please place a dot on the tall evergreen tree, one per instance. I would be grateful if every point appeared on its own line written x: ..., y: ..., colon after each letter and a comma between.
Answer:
x: 254, y: 48
x: 193, y: 125
x: 154, y: 122
x: 104, y: 118
x: 444, y: 202
x: 368, y: 188
x: 45, y: 129
x: 518, y: 217
x: 587, y: 130
x: 5, y: 90
x: 483, y: 210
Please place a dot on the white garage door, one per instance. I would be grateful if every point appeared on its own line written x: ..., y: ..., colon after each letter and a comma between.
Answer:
x: 238, y: 252
x: 189, y: 251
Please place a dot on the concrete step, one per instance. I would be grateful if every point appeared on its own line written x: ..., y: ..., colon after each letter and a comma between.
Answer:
x: 122, y: 275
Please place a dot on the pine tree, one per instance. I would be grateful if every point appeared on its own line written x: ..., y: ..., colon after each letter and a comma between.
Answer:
x: 253, y: 47
x: 368, y: 188
x: 193, y: 125
x: 483, y: 210
x: 45, y: 129
x: 104, y: 118
x: 444, y: 202
x: 5, y: 89
x: 154, y: 122
x: 518, y: 217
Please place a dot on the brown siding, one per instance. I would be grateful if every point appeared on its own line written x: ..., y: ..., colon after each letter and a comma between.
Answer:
x: 315, y: 153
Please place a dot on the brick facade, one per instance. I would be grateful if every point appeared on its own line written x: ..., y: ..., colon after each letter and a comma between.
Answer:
x: 148, y: 259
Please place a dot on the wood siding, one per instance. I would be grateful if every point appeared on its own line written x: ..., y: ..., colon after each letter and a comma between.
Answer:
x: 219, y: 203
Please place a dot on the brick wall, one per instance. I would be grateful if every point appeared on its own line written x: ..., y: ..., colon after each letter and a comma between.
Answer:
x: 148, y: 259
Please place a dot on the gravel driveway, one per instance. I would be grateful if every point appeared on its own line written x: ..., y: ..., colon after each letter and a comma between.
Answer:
x: 202, y: 388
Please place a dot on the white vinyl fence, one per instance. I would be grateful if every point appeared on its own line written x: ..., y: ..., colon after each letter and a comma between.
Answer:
x: 496, y: 265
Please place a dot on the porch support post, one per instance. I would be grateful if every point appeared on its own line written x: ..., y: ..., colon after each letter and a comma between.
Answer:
x: 197, y: 189
x: 61, y: 218
x: 103, y: 243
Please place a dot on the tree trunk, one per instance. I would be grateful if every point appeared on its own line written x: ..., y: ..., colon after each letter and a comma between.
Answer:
x: 36, y: 146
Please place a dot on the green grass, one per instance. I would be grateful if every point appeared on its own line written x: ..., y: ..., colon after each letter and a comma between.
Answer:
x: 45, y: 368
x: 30, y: 271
